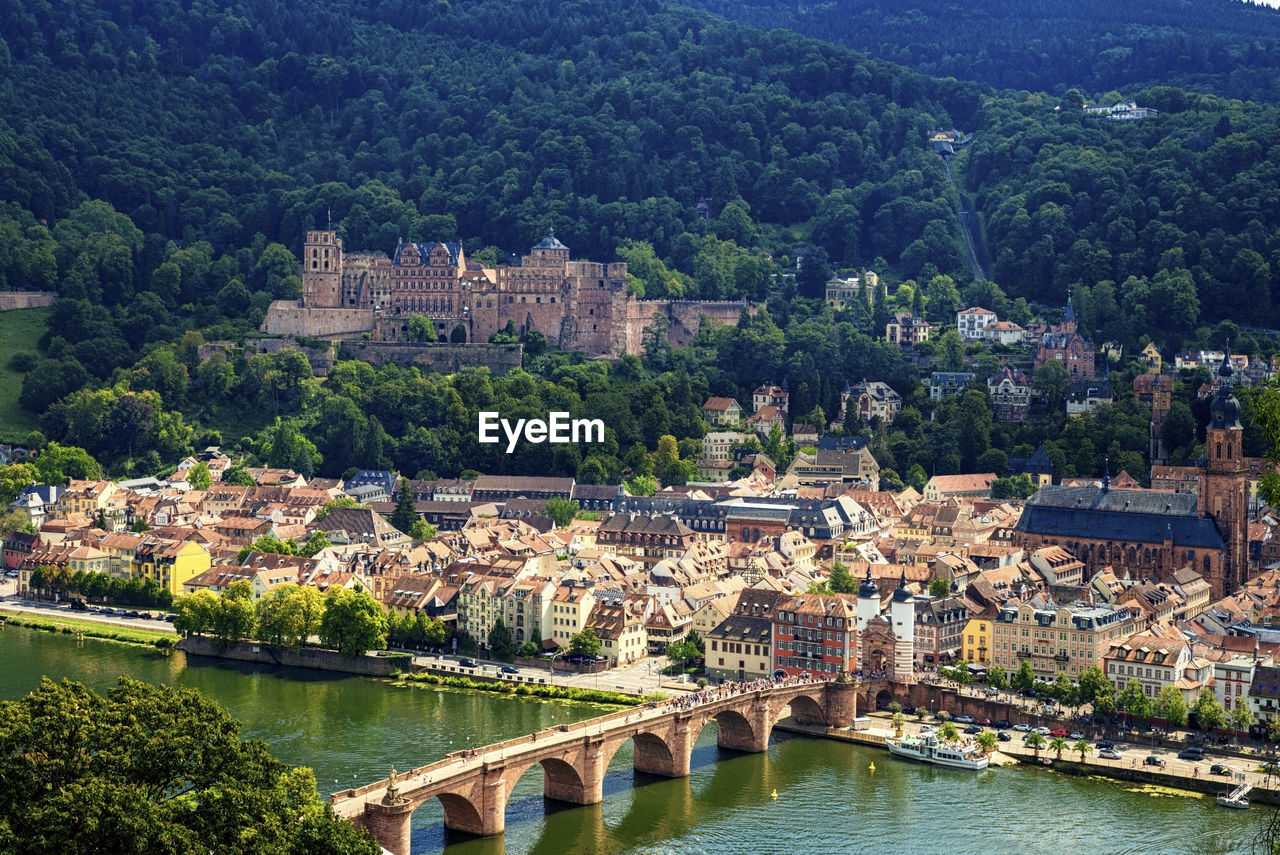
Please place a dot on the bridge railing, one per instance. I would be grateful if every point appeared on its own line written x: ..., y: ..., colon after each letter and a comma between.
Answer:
x: 584, y: 726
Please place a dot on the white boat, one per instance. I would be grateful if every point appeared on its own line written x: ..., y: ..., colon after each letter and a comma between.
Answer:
x: 1237, y: 798
x: 929, y: 749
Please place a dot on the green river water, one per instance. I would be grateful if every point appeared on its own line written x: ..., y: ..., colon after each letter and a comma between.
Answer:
x: 350, y: 730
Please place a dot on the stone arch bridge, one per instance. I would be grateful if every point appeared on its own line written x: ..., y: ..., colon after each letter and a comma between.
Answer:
x: 473, y: 786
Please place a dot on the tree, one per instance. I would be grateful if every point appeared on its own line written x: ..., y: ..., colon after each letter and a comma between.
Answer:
x: 1178, y: 430
x: 1133, y: 701
x: 289, y: 615
x: 59, y: 463
x: 1241, y: 719
x: 1035, y: 742
x: 1081, y: 747
x: 500, y: 646
x: 987, y: 741
x: 331, y: 505
x: 353, y: 623
x: 948, y: 732
x: 1092, y: 682
x: 423, y: 530
x: 840, y: 581
x: 146, y: 764
x: 233, y: 615
x: 998, y: 678
x: 1169, y: 705
x: 562, y: 511
x: 198, y: 476
x: 898, y: 721
x: 405, y: 514
x: 1104, y: 702
x: 939, y: 588
x: 14, y: 478
x: 1209, y: 712
x: 642, y: 485
x: 194, y: 612
x: 585, y: 643
x: 1025, y: 678
x: 238, y: 477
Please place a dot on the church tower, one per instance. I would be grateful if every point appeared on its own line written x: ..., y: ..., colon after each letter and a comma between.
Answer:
x: 322, y: 270
x: 868, y: 609
x: 1224, y: 487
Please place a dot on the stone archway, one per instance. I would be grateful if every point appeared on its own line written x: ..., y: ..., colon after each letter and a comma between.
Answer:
x: 806, y: 710
x: 884, y: 697
x: 735, y: 732
x: 653, y: 755
x: 460, y: 815
x: 562, y: 782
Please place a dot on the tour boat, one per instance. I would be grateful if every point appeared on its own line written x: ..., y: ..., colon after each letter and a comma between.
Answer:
x: 928, y: 749
x: 1237, y: 798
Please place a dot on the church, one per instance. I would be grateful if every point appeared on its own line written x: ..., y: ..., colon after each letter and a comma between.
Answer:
x: 1150, y: 533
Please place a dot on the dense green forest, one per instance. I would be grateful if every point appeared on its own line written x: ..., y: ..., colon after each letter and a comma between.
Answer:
x: 158, y: 161
x: 1222, y: 47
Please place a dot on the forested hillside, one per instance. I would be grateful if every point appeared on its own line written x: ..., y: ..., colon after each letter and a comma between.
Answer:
x: 1224, y: 47
x: 159, y: 164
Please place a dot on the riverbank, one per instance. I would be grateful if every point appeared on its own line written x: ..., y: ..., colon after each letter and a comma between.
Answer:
x: 527, y: 690
x: 87, y: 629
x: 1191, y: 779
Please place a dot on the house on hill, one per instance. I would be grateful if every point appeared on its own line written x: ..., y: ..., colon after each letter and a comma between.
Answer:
x: 958, y: 486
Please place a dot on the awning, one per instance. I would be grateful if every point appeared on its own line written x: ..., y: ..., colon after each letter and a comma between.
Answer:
x: 975, y: 668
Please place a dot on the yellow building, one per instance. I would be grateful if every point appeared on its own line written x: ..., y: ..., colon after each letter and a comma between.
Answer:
x: 170, y: 562
x: 976, y: 642
x: 571, y: 605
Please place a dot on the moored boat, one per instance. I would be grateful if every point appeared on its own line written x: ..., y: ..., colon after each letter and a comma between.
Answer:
x: 1237, y: 798
x: 929, y: 749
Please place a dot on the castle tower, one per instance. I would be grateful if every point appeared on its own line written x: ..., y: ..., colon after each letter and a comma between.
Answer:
x: 1224, y: 487
x: 902, y: 614
x: 322, y: 270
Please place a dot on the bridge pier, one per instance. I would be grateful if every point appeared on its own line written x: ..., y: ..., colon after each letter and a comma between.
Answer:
x: 841, y: 703
x: 389, y: 825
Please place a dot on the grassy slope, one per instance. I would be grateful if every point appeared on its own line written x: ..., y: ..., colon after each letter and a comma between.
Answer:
x: 20, y: 329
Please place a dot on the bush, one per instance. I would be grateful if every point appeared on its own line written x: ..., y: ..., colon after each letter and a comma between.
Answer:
x: 23, y: 362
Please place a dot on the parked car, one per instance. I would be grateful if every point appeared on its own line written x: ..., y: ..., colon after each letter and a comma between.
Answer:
x: 1110, y: 754
x: 982, y: 721
x: 1153, y: 760
x: 1075, y: 734
x: 1219, y: 769
x: 466, y: 662
x: 1193, y: 753
x: 1043, y: 731
x: 972, y: 729
x: 963, y: 719
x: 1025, y: 728
x: 1004, y: 736
x: 1059, y: 732
x: 1104, y: 743
x: 1000, y: 723
x: 509, y: 669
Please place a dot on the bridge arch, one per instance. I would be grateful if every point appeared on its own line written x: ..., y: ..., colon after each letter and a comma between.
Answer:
x: 736, y: 731
x: 461, y: 814
x: 651, y: 754
x: 883, y: 698
x: 561, y: 780
x: 805, y: 709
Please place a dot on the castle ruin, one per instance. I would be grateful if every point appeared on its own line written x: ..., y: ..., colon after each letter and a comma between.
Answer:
x: 577, y: 305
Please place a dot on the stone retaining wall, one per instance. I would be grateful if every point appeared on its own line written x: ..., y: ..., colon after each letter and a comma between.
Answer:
x: 369, y: 665
x: 26, y: 299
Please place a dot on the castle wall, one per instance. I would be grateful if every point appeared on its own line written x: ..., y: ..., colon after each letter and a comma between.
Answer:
x: 26, y: 299
x: 685, y: 317
x: 441, y: 358
x: 287, y: 317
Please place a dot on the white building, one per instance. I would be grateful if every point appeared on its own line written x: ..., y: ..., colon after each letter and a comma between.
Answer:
x: 971, y: 322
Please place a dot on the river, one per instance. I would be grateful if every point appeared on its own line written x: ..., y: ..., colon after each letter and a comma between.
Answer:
x: 350, y: 730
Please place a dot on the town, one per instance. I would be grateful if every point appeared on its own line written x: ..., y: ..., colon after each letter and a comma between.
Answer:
x: 1170, y: 590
